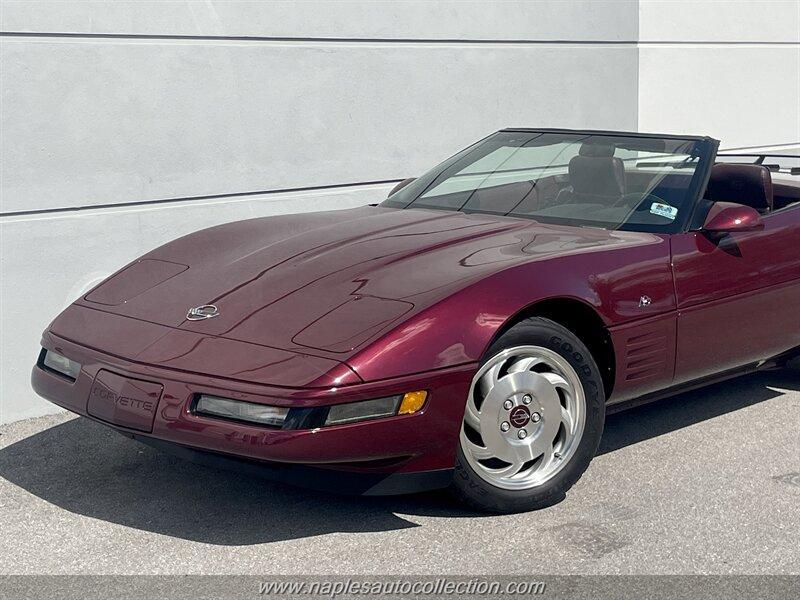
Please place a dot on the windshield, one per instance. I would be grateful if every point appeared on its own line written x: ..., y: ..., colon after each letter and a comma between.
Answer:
x: 596, y: 180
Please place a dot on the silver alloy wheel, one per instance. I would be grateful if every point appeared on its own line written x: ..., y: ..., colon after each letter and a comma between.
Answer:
x: 526, y: 445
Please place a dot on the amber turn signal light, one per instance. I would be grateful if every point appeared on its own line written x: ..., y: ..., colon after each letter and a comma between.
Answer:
x: 412, y: 402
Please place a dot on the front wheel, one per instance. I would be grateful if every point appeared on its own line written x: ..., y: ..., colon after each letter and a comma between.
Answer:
x: 533, y: 420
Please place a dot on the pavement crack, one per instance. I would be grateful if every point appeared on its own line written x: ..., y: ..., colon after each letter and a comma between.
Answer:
x: 789, y: 478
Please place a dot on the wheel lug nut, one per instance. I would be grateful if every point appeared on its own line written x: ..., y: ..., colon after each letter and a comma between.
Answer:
x: 526, y: 399
x: 521, y: 434
x: 504, y: 426
x: 536, y: 417
x: 508, y: 404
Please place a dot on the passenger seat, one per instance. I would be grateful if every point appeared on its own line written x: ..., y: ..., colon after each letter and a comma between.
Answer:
x: 746, y: 184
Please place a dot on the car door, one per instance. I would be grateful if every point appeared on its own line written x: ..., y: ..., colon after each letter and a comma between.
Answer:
x: 738, y: 297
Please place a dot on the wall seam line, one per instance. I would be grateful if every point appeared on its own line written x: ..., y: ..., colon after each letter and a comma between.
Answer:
x: 399, y: 41
x: 178, y: 200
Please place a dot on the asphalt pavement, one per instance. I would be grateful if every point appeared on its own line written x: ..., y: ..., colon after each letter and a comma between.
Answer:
x: 704, y: 483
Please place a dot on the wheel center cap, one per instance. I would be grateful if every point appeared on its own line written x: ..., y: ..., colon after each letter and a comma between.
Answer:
x: 519, y: 416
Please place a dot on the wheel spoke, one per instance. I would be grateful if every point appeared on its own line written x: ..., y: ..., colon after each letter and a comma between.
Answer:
x: 547, y: 457
x: 508, y: 471
x: 557, y: 381
x: 471, y: 416
x: 478, y: 452
x: 524, y: 364
x: 567, y: 420
x: 528, y: 452
x: 489, y: 379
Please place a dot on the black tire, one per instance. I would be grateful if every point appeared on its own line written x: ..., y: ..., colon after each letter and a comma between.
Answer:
x: 474, y: 491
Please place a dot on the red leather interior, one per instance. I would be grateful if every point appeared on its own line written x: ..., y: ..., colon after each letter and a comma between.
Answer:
x: 746, y: 184
x: 785, y: 193
x: 596, y: 172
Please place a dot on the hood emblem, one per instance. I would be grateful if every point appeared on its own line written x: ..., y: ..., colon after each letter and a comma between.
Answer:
x: 199, y: 313
x: 645, y: 301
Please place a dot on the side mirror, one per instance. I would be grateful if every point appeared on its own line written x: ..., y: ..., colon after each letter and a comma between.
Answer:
x: 401, y: 185
x: 727, y: 217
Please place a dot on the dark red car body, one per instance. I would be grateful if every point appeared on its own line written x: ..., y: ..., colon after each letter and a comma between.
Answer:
x: 325, y: 308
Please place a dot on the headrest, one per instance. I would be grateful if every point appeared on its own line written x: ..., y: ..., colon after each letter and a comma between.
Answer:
x: 750, y: 185
x: 596, y: 150
x: 602, y: 176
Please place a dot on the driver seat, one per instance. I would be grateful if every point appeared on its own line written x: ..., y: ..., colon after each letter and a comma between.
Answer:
x: 596, y: 176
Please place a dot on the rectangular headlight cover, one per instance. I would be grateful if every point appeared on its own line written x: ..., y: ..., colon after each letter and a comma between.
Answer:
x: 61, y: 364
x: 251, y: 412
x: 339, y: 414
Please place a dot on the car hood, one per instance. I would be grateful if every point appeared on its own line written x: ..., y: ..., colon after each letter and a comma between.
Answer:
x: 330, y: 281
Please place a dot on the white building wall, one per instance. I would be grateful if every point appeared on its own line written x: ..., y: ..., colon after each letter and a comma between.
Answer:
x: 610, y: 20
x: 117, y: 116
x: 728, y: 69
x: 100, y: 121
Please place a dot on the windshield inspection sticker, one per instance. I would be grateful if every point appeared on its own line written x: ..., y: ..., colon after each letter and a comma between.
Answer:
x: 664, y: 210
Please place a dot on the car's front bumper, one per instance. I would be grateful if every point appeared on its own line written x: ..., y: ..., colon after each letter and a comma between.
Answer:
x: 385, y: 455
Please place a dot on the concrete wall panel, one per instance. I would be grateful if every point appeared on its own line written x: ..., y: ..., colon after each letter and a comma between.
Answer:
x: 383, y: 19
x: 705, y: 91
x: 725, y: 68
x: 736, y: 21
x: 90, y: 122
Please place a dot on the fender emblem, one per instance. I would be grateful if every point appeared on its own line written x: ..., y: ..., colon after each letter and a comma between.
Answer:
x: 645, y: 301
x: 206, y: 311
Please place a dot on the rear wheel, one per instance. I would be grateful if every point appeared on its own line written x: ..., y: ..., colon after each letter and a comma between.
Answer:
x: 533, y: 420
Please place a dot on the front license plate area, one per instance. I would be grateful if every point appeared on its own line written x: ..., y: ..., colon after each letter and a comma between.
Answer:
x: 124, y: 401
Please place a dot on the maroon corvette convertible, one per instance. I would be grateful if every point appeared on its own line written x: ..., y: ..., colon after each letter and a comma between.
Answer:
x: 469, y: 332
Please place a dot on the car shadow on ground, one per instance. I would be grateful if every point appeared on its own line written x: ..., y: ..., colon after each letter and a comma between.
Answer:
x: 88, y: 469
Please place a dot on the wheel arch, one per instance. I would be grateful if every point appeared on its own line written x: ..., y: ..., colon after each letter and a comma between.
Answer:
x: 582, y: 320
